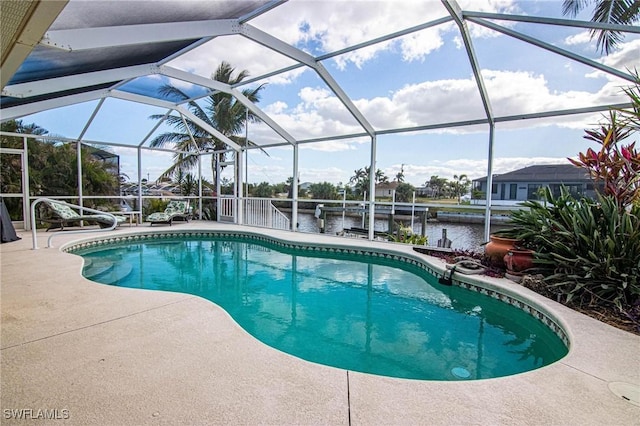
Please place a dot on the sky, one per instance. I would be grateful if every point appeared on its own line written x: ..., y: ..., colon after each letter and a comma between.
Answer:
x: 419, y: 79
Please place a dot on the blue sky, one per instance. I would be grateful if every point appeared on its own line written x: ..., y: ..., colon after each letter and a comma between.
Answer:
x: 423, y: 78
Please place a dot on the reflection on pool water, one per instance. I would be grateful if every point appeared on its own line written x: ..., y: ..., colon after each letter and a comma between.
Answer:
x: 354, y: 312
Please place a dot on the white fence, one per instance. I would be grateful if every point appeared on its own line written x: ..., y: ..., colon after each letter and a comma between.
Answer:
x: 260, y: 212
x: 226, y: 206
x: 257, y: 212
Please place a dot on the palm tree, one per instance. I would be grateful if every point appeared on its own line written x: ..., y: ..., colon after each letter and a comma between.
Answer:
x: 620, y: 12
x: 221, y: 111
x: 437, y: 185
x: 460, y: 185
x: 400, y: 174
x: 360, y: 179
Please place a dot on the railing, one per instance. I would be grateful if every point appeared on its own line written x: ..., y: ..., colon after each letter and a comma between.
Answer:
x: 81, y: 231
x: 226, y: 208
x: 261, y: 212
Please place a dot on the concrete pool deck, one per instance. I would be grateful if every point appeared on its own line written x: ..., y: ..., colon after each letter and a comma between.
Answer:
x: 93, y: 354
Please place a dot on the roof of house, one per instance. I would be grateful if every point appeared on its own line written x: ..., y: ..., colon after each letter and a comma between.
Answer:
x: 387, y: 185
x: 543, y: 173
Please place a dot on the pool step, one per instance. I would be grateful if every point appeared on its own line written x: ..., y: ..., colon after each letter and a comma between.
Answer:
x: 118, y: 272
x: 95, y: 267
x: 106, y: 271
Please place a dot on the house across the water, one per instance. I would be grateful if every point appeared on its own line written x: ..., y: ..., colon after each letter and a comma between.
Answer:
x: 525, y: 184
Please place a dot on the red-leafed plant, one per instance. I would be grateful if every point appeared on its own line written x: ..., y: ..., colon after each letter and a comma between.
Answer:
x: 616, y: 167
x: 589, y: 249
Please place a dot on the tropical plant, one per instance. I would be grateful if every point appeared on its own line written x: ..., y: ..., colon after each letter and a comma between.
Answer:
x: 621, y: 12
x: 589, y: 249
x: 154, y: 205
x: 262, y: 190
x: 53, y: 166
x: 323, y: 191
x: 187, y: 183
x: 405, y: 235
x: 630, y: 116
x: 596, y: 254
x: 400, y: 175
x: 437, y: 185
x: 615, y: 166
x: 226, y: 186
x: 404, y: 192
x: 459, y: 186
x: 221, y: 111
x: 360, y: 179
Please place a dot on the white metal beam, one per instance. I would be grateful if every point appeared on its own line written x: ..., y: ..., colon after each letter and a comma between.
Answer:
x: 351, y: 48
x: 155, y: 127
x: 15, y: 112
x: 181, y: 109
x: 194, y: 78
x: 552, y: 21
x: 223, y: 87
x: 59, y: 84
x: 456, y: 13
x: 292, y: 52
x: 90, y: 120
x: 125, y: 35
x: 554, y: 49
x: 147, y: 100
x: 277, y: 45
x: 205, y: 126
x: 38, y: 18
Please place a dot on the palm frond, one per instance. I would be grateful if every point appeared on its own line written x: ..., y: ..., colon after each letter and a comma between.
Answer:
x: 609, y: 12
x: 618, y: 12
x: 167, y: 138
x: 573, y: 7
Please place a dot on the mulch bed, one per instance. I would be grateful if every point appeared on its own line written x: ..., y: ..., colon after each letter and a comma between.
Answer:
x: 627, y: 321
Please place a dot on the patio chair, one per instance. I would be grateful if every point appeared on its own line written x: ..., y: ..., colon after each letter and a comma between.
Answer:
x: 176, y: 209
x: 59, y: 215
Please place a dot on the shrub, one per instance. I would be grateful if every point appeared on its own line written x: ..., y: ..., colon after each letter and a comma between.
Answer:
x: 154, y: 205
x: 588, y: 249
x: 595, y: 253
x: 406, y: 235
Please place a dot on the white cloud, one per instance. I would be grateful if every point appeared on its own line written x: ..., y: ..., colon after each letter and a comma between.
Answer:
x: 323, y: 174
x: 583, y: 37
x: 626, y: 57
x: 418, y: 45
x: 332, y: 146
x: 328, y: 26
x: 418, y: 174
x: 320, y: 114
x: 415, y: 174
x: 242, y: 54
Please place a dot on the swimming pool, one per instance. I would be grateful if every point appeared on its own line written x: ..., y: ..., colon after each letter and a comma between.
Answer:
x: 348, y: 308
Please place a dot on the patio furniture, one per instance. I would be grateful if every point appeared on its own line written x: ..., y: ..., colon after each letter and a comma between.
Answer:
x: 59, y: 214
x: 7, y: 231
x: 176, y: 209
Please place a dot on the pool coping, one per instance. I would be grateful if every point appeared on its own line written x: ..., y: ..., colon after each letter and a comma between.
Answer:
x: 46, y: 305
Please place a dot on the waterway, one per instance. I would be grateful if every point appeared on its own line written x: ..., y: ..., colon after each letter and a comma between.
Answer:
x: 463, y: 236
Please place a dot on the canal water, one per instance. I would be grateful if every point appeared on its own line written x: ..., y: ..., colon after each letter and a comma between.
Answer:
x: 463, y: 236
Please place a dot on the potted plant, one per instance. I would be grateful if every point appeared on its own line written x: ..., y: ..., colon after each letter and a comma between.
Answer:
x: 498, y: 247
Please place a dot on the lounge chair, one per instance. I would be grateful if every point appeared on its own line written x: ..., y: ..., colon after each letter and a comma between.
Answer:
x: 60, y: 214
x: 176, y: 209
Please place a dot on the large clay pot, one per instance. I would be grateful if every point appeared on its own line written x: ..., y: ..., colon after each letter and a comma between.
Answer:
x: 518, y: 260
x: 497, y: 248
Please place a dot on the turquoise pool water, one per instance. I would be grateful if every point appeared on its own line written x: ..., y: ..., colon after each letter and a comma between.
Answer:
x: 354, y: 312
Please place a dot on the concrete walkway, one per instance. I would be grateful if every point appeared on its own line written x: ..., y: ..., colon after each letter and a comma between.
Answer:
x: 92, y: 354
